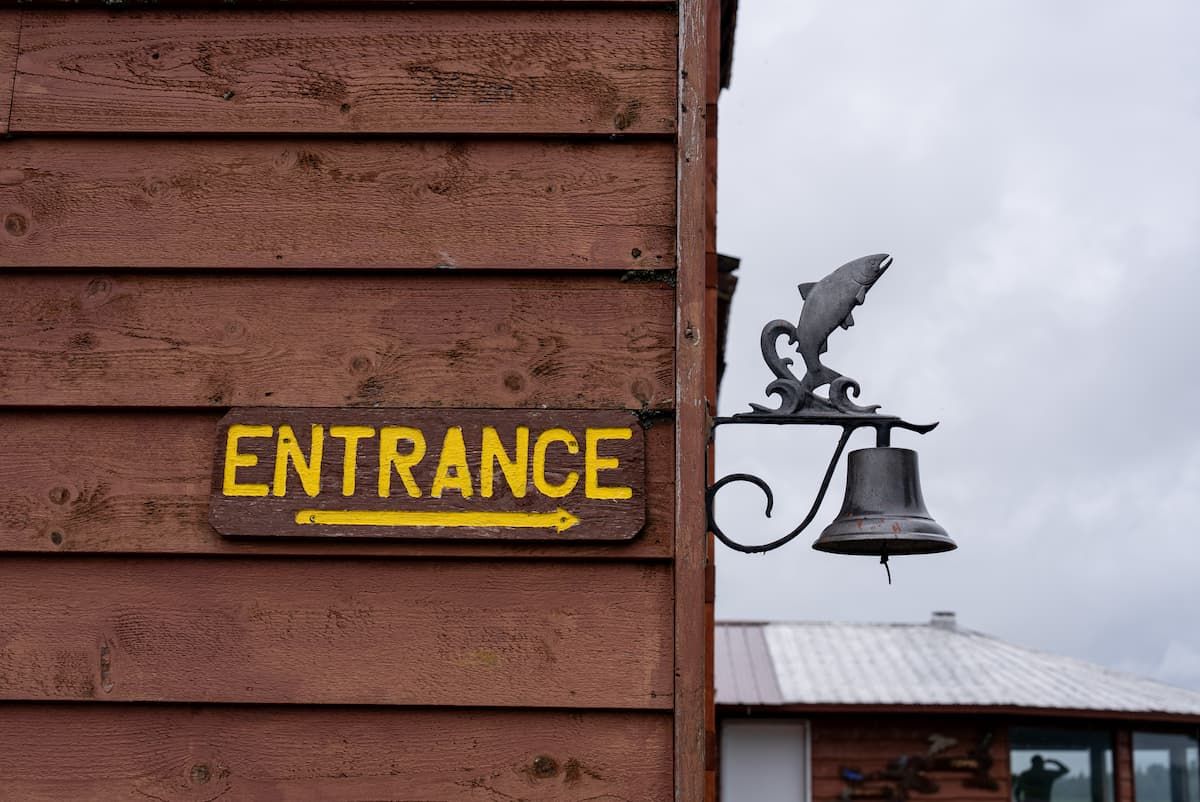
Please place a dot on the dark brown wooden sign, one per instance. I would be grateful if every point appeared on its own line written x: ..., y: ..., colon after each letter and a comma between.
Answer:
x: 429, y: 473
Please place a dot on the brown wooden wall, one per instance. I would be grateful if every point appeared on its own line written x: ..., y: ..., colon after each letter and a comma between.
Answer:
x: 869, y: 742
x: 491, y: 204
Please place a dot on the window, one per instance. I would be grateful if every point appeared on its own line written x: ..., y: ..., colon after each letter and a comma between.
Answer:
x: 1165, y: 768
x: 1050, y: 765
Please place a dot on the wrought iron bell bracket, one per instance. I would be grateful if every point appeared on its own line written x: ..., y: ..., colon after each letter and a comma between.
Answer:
x: 882, y: 424
x: 827, y: 305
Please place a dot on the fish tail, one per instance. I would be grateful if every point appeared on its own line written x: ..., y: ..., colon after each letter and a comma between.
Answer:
x: 821, y: 376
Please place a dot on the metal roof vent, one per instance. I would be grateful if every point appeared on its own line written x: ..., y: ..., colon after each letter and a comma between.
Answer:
x: 944, y: 619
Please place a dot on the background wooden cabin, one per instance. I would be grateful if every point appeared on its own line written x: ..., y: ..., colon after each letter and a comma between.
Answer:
x: 872, y: 740
x: 398, y: 204
x: 855, y: 712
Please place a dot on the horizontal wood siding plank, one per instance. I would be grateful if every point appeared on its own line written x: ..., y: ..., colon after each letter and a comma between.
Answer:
x: 163, y: 339
x: 139, y: 482
x: 297, y: 202
x: 303, y: 631
x: 10, y: 26
x: 322, y: 4
x: 323, y: 755
x: 388, y: 71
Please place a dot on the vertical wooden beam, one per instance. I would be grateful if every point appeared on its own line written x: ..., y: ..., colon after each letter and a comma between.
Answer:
x: 692, y: 357
x: 712, y: 89
x: 1002, y: 753
x: 1123, y: 765
x: 10, y: 36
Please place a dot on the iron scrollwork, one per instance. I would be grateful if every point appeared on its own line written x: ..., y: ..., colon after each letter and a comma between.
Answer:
x: 827, y: 305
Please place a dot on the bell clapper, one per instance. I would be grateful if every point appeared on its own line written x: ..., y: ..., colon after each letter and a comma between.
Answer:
x: 884, y: 562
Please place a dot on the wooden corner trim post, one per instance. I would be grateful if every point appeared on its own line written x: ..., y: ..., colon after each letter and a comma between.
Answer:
x: 10, y: 38
x: 691, y: 439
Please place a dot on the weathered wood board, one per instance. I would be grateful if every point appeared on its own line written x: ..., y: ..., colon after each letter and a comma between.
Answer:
x: 556, y: 475
x: 167, y: 339
x: 420, y: 70
x: 619, y: 6
x: 10, y: 20
x: 300, y: 631
x: 137, y: 482
x: 694, y: 358
x: 167, y: 752
x: 335, y: 202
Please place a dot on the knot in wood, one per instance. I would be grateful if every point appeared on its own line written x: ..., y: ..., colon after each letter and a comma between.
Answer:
x: 544, y: 766
x: 16, y: 224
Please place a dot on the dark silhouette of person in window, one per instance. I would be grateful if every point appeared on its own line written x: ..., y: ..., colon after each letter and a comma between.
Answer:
x: 1033, y: 784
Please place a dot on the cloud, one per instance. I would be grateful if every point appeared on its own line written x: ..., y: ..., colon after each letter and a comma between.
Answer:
x: 1180, y: 665
x: 1032, y: 168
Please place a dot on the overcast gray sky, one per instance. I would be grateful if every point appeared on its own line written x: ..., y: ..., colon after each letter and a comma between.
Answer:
x: 1034, y: 168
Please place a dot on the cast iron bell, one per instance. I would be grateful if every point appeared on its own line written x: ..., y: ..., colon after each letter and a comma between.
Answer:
x: 884, y: 514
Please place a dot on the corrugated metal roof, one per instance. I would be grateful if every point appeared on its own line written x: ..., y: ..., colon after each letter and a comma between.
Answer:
x: 919, y: 664
x: 744, y: 668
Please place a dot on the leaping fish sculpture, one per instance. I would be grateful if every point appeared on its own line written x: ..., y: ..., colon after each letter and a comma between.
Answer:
x: 828, y: 304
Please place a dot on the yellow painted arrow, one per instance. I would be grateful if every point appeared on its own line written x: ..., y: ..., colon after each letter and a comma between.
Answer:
x: 560, y: 520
